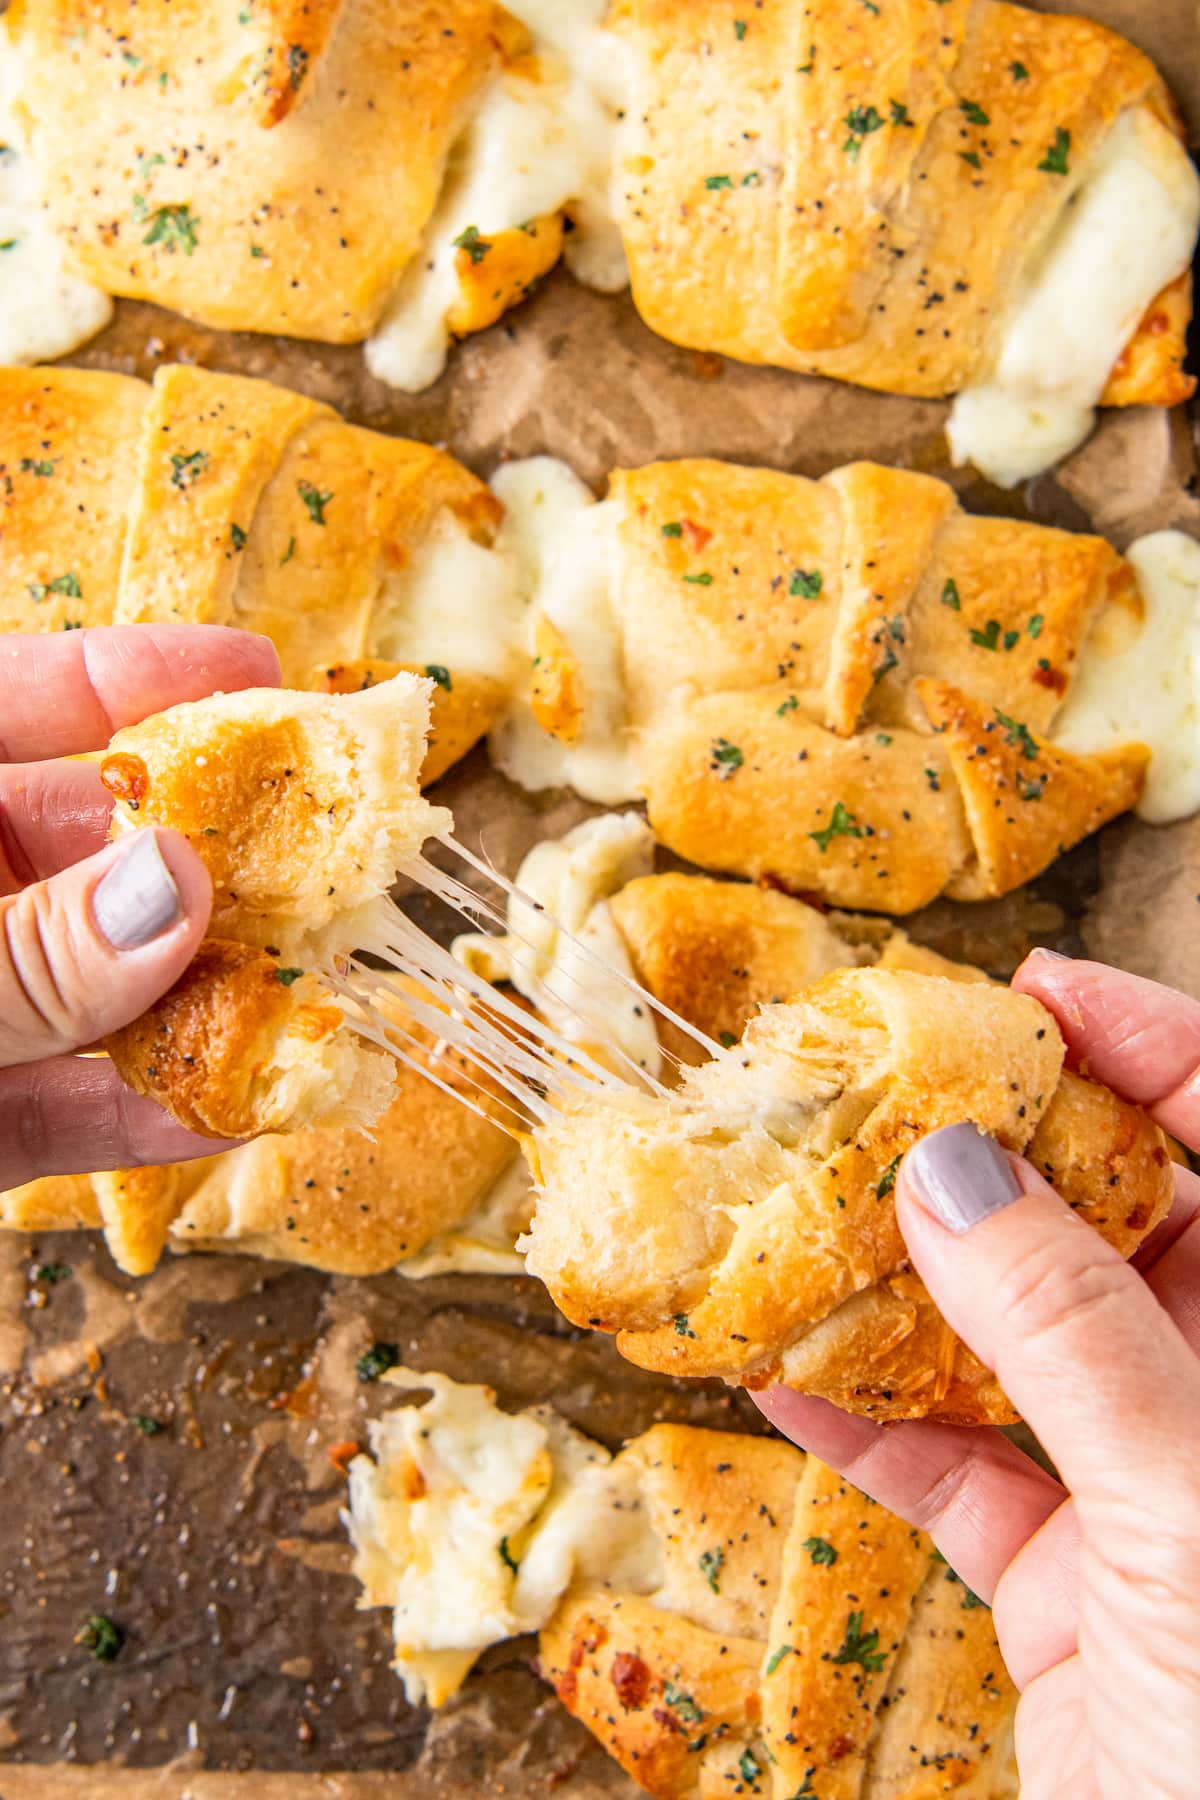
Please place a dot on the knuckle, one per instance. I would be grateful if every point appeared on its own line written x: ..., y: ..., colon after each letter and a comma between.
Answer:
x: 1046, y: 1291
x: 46, y: 997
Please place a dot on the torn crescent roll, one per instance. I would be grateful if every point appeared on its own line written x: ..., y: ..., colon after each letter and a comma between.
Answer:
x: 902, y: 197
x: 745, y: 1227
x: 302, y: 807
x: 212, y: 499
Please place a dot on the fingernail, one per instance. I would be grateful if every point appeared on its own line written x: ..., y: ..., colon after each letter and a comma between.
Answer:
x: 961, y: 1176
x: 137, y: 900
x: 1050, y: 955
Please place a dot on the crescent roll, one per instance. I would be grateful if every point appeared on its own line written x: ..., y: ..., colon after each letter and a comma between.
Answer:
x: 744, y: 1226
x: 721, y: 1611
x: 847, y: 686
x: 925, y: 199
x: 215, y: 500
x: 302, y: 807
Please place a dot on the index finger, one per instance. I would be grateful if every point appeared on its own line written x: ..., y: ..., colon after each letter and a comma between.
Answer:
x: 68, y: 691
x: 1139, y: 1038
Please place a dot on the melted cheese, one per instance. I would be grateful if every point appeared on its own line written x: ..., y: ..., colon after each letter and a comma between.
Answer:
x: 563, y: 543
x: 471, y: 1523
x: 1126, y: 234
x: 572, y: 878
x: 540, y: 141
x: 484, y: 1243
x: 1139, y: 681
x: 454, y: 603
x: 45, y: 311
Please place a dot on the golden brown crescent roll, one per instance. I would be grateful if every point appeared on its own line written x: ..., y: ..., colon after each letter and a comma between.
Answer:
x: 268, y: 170
x: 722, y: 1612
x: 888, y: 195
x: 744, y: 1227
x: 216, y: 500
x: 849, y: 687
x: 302, y: 807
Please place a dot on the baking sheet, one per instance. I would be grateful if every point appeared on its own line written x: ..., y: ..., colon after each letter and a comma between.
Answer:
x: 215, y: 1543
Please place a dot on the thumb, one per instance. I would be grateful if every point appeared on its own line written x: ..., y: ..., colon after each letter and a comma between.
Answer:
x: 93, y: 947
x: 1078, y: 1341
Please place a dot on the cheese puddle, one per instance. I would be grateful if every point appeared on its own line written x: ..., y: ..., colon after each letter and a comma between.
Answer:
x: 44, y: 310
x: 1125, y: 235
x: 563, y: 542
x: 541, y: 138
x: 1143, y: 684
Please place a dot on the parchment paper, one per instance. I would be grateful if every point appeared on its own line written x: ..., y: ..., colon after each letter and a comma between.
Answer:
x: 214, y: 1543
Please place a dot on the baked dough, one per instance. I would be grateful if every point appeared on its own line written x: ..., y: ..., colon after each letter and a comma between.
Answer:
x: 869, y: 194
x: 745, y: 1228
x: 699, y: 1597
x: 847, y: 686
x: 272, y: 175
x: 216, y: 500
x: 302, y: 807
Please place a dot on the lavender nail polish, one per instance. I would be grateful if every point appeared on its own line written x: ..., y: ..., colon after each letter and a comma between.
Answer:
x: 137, y: 900
x: 961, y: 1176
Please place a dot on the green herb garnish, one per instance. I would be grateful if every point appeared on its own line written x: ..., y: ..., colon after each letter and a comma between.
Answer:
x: 861, y: 1647
x: 841, y: 824
x: 777, y: 1656
x: 950, y: 595
x: 681, y: 1704
x: 821, y: 1551
x: 376, y: 1361
x: 32, y: 465
x: 439, y: 674
x: 1056, y: 160
x: 67, y: 584
x: 718, y: 181
x: 704, y: 579
x: 1018, y: 71
x: 975, y: 114
x: 887, y: 1180
x: 710, y: 1568
x: 52, y: 1273
x: 861, y: 121
x: 171, y: 226
x: 146, y: 1425
x: 101, y: 1636
x: 727, y: 758
x: 749, y: 1767
x: 287, y: 976
x: 315, y: 501
x: 682, y: 1328
x: 806, y: 582
x: 672, y: 528
x: 506, y: 1556
x: 469, y: 240
x: 1018, y: 735
x: 186, y: 470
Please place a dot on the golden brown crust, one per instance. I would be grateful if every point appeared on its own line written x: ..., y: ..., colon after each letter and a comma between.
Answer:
x: 778, y: 638
x: 51, y: 1203
x: 713, y: 1246
x: 209, y: 1049
x: 463, y: 710
x: 215, y: 499
x: 248, y: 214
x: 137, y: 1207
x: 884, y: 197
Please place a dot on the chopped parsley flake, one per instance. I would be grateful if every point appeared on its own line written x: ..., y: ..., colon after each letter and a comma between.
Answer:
x: 950, y: 595
x: 807, y: 583
x: 1017, y: 734
x: 726, y: 1039
x: 146, y: 163
x: 506, y: 1556
x: 704, y: 579
x: 883, y: 737
x: 1056, y: 160
x: 67, y: 584
x: 931, y: 776
x: 146, y: 1425
x: 297, y: 62
x: 437, y: 672
x: 1030, y: 788
x: 749, y: 1767
x: 376, y: 1361
x: 72, y: 624
x: 861, y: 121
x: 8, y: 243
x: 256, y: 250
x: 777, y: 1656
x: 101, y: 1636
x: 989, y: 639
x: 821, y: 1551
x: 315, y: 501
x: 787, y: 706
x: 134, y: 62
x: 1018, y: 71
x: 718, y: 181
x: 887, y: 1180
x: 469, y: 240
x: 739, y: 29
x: 752, y: 178
x: 681, y: 1704
x: 861, y: 1647
x: 673, y: 528
x: 899, y: 113
x: 727, y: 758
x: 974, y: 113
x: 33, y: 465
x: 287, y: 976
x: 171, y: 226
x: 682, y: 1328
x: 52, y: 1273
x: 972, y: 157
x: 288, y: 553
x: 710, y: 1568
x: 1035, y: 624
x: 186, y: 470
x: 841, y: 824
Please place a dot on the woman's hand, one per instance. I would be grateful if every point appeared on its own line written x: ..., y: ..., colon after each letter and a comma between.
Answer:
x: 92, y: 933
x: 1095, y: 1581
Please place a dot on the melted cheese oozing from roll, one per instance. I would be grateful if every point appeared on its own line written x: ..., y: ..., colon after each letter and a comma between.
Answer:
x: 45, y: 311
x: 572, y: 878
x: 470, y: 1523
x: 541, y: 140
x: 1124, y: 236
x: 454, y: 603
x: 563, y: 542
x: 1140, y: 681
